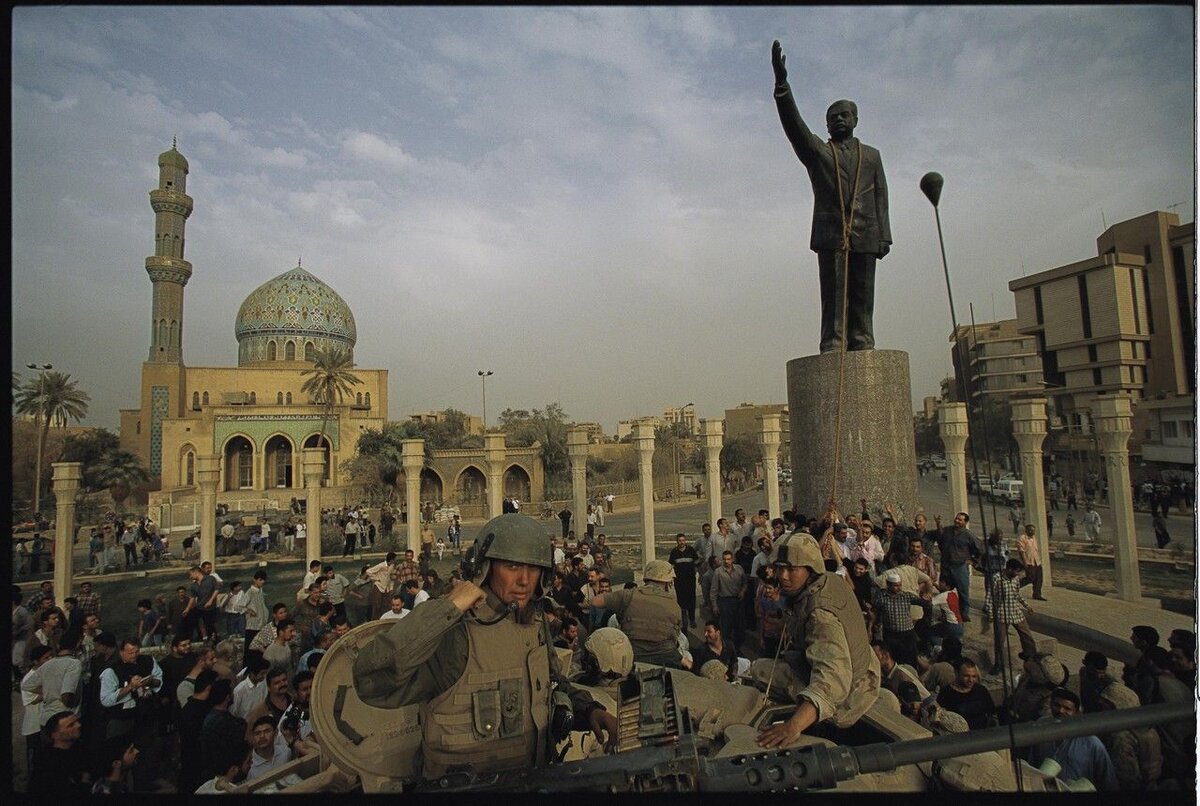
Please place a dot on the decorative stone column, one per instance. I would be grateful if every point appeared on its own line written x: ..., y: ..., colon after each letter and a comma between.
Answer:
x: 208, y: 473
x: 577, y: 449
x: 65, y: 481
x: 952, y: 425
x: 1029, y: 429
x: 313, y: 466
x: 1114, y: 425
x: 495, y: 453
x: 412, y: 456
x: 643, y: 439
x: 712, y: 432
x: 769, y: 431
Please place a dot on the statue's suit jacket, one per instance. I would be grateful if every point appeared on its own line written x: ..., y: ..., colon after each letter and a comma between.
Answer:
x: 870, y: 225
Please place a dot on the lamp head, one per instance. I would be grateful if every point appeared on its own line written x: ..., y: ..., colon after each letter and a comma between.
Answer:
x: 931, y: 186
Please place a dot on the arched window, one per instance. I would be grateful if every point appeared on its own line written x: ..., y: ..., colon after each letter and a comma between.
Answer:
x: 139, y: 427
x: 253, y: 397
x: 173, y: 333
x: 272, y: 351
x: 367, y: 398
x: 289, y: 398
x: 289, y: 351
x: 310, y: 351
x: 189, y: 469
x: 206, y: 398
x: 279, y: 398
x: 196, y: 401
x: 358, y: 399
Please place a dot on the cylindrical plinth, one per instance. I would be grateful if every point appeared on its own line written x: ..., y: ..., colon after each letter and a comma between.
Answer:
x: 877, y: 458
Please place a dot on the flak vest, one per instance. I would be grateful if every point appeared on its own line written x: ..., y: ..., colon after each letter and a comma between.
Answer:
x: 496, y: 714
x: 828, y: 592
x: 650, y: 621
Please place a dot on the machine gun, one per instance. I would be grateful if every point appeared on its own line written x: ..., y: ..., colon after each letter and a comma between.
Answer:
x: 683, y: 767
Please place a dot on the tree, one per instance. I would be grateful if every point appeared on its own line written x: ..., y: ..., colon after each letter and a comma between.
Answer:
x: 119, y: 471
x: 740, y: 454
x: 547, y: 427
x: 89, y: 449
x: 451, y: 432
x: 52, y: 397
x: 381, y: 453
x: 329, y: 380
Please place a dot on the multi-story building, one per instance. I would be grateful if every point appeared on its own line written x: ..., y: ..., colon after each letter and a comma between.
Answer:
x: 744, y: 420
x: 683, y: 414
x: 1122, y: 322
x: 999, y: 362
x: 474, y: 424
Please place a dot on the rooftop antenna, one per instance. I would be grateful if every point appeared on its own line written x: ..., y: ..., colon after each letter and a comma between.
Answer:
x: 1102, y: 221
x: 172, y: 142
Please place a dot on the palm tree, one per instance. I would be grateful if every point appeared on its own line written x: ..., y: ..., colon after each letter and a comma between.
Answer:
x: 330, y: 380
x: 119, y: 471
x: 52, y: 397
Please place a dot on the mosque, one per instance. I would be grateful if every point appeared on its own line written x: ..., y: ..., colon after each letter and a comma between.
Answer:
x: 254, y: 416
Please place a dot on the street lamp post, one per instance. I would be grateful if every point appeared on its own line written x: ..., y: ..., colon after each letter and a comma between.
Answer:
x: 675, y: 452
x: 483, y: 376
x: 37, y: 479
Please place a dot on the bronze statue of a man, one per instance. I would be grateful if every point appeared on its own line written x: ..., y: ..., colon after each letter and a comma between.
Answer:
x: 850, y: 228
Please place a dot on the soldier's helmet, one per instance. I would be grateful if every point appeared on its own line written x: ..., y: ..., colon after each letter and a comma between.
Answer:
x: 612, y: 651
x: 714, y: 670
x: 516, y: 538
x: 798, y: 549
x: 659, y: 571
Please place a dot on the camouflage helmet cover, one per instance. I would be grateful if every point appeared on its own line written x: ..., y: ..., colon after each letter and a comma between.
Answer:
x: 612, y: 650
x: 798, y: 549
x: 516, y: 538
x: 659, y: 571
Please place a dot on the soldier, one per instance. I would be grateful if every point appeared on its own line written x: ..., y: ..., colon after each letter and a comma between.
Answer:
x: 649, y: 615
x: 834, y: 675
x: 478, y: 661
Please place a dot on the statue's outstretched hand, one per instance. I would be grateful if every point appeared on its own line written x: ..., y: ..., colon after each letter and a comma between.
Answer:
x: 777, y: 61
x: 884, y: 248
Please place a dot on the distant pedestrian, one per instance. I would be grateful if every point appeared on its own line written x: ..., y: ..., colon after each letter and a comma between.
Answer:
x: 1070, y: 525
x: 1091, y: 523
x: 1161, y: 536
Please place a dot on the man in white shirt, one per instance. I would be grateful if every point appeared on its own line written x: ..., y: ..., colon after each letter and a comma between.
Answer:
x: 724, y: 540
x: 61, y: 686
x: 256, y: 606
x: 417, y: 593
x: 398, y: 610
x: 253, y: 689
x: 559, y: 556
x: 585, y: 551
x: 335, y: 589
x: 270, y: 748
x: 741, y: 527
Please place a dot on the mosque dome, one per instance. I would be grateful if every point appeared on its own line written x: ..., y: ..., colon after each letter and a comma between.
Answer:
x: 291, y: 316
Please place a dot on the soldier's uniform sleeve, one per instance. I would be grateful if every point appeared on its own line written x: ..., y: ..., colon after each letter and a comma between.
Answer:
x: 617, y: 601
x: 418, y: 658
x: 828, y: 655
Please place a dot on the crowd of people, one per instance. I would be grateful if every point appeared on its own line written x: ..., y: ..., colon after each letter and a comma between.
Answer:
x: 224, y: 697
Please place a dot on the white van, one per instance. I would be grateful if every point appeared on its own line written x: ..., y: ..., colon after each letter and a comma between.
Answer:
x: 1009, y: 491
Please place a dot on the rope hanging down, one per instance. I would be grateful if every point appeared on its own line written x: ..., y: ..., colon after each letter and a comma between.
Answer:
x: 847, y: 226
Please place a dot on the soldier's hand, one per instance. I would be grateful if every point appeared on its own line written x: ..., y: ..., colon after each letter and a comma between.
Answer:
x: 602, y: 722
x: 466, y: 595
x: 777, y: 61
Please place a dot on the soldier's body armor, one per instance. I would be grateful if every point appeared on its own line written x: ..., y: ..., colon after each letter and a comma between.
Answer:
x: 495, y: 716
x: 829, y: 592
x: 650, y: 621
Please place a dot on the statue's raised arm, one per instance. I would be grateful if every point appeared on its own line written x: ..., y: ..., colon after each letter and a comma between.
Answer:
x: 777, y: 61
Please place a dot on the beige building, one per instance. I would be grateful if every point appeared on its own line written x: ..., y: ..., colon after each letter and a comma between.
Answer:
x: 999, y: 361
x: 625, y: 427
x: 929, y: 407
x: 474, y: 424
x: 744, y: 420
x: 255, y: 416
x: 683, y: 414
x: 1119, y: 323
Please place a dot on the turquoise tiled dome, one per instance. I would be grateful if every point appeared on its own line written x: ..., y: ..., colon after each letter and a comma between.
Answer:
x: 294, y: 307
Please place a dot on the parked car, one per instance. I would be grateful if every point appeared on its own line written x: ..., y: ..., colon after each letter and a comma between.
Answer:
x: 984, y: 484
x: 1010, y: 491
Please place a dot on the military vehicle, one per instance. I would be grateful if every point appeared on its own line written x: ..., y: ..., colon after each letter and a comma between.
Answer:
x: 681, y: 732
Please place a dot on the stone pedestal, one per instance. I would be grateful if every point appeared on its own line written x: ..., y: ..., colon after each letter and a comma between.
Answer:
x: 577, y: 450
x: 312, y: 466
x: 412, y: 457
x: 208, y: 475
x: 1029, y: 429
x: 65, y: 482
x: 495, y: 453
x: 953, y: 428
x: 643, y: 440
x: 877, y: 458
x: 712, y: 432
x: 1114, y: 425
x: 769, y: 432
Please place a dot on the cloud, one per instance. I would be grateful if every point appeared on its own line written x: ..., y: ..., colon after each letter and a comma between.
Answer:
x: 375, y: 149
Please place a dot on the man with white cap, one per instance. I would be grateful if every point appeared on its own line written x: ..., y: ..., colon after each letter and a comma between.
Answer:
x: 832, y: 674
x: 649, y: 615
x: 894, y: 609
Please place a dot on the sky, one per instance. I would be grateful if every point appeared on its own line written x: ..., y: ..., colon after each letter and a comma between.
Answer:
x: 597, y: 204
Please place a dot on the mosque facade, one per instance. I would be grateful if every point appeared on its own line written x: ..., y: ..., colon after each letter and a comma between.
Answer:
x: 254, y: 416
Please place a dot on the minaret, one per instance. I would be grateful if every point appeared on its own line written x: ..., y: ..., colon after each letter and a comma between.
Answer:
x: 168, y: 271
